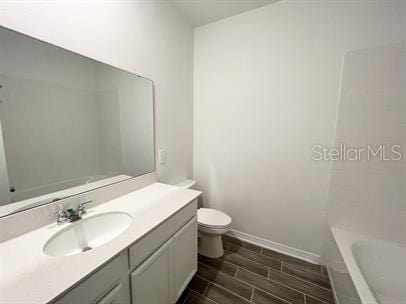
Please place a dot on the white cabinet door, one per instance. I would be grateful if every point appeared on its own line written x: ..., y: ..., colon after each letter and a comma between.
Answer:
x: 185, y: 256
x: 152, y: 281
x: 112, y: 295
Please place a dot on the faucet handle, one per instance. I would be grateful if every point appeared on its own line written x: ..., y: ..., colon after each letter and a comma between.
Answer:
x: 55, y: 213
x: 63, y: 217
x: 82, y: 207
x: 86, y: 203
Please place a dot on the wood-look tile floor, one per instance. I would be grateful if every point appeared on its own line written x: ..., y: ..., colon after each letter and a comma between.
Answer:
x: 251, y: 274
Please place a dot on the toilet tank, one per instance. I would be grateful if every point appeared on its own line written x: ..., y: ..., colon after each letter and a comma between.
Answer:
x: 187, y: 184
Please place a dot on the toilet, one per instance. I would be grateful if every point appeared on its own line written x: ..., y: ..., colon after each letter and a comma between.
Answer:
x: 212, y: 224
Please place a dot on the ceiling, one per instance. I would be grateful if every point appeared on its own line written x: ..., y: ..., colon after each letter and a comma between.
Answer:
x: 201, y: 12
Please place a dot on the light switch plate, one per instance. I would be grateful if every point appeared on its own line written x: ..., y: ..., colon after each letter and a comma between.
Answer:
x: 162, y: 157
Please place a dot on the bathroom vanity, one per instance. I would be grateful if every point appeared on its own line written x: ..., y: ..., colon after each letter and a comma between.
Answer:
x: 151, y: 261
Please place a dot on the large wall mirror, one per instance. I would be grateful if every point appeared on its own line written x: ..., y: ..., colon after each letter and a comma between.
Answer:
x: 68, y: 124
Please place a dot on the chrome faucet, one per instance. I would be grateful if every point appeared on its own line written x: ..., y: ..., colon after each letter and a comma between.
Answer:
x: 62, y: 217
x: 71, y: 215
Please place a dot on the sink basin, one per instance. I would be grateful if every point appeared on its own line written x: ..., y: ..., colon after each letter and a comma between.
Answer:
x: 87, y: 234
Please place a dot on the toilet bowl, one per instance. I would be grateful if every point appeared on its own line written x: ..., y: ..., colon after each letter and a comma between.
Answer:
x: 212, y: 224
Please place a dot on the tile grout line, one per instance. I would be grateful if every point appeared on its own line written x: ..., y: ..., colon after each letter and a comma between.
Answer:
x: 307, y: 295
x: 268, y: 278
x: 306, y: 270
x: 272, y: 257
x: 239, y: 245
x: 276, y: 259
x: 188, y: 294
x: 252, y: 295
x: 253, y: 287
x: 300, y: 267
x: 309, y: 282
x: 218, y: 270
x: 235, y: 277
x: 207, y: 287
x: 233, y: 265
x: 203, y: 296
x: 292, y: 264
x: 250, y: 250
x: 222, y: 287
x: 287, y: 286
x: 267, y: 292
x: 301, y: 279
x: 301, y: 292
x: 246, y: 258
x: 269, y: 272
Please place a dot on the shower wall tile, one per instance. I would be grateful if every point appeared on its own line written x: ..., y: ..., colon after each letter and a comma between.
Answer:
x: 369, y: 196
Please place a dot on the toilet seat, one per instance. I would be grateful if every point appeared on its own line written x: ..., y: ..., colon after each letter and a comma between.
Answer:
x: 212, y: 225
x: 213, y: 219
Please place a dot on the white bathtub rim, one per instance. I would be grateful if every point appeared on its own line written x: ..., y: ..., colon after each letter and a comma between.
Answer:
x: 344, y: 240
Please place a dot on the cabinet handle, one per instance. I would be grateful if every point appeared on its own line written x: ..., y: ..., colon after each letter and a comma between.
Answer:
x: 110, y: 295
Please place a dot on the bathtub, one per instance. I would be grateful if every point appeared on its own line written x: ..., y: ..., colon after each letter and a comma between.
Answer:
x: 376, y: 269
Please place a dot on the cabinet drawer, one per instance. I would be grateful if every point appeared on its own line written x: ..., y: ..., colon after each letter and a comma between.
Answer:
x: 98, y: 285
x: 151, y: 242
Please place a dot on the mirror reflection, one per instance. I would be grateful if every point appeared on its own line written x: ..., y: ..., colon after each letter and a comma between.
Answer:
x: 68, y: 124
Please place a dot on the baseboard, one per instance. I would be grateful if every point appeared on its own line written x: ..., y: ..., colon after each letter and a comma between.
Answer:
x: 294, y: 252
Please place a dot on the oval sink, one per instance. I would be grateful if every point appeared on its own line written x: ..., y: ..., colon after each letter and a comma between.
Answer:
x: 87, y: 234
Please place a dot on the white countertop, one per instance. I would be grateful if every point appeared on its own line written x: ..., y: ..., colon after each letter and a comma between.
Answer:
x: 27, y: 275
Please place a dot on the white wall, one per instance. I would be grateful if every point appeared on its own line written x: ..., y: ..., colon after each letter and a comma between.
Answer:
x: 144, y: 37
x: 266, y: 86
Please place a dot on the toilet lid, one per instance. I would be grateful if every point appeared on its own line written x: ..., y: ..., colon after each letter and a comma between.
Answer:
x: 213, y: 218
